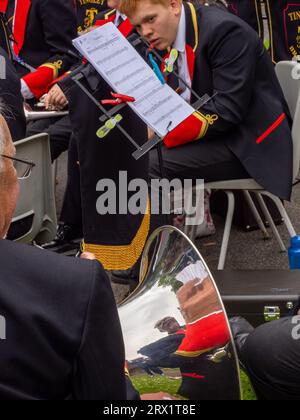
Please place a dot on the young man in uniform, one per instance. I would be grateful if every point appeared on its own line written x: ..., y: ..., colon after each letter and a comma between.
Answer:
x: 41, y: 37
x: 243, y: 131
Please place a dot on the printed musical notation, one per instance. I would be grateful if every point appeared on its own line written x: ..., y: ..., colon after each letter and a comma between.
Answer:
x: 127, y: 73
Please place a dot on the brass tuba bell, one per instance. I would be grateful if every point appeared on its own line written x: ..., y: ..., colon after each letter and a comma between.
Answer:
x: 177, y: 337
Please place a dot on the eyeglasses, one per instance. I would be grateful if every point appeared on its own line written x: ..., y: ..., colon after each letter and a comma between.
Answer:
x: 22, y: 167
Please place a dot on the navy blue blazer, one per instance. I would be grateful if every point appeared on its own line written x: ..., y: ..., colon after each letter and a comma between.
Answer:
x: 63, y: 336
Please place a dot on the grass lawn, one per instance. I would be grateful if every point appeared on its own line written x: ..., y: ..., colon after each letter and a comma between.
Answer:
x: 147, y: 385
x: 248, y: 393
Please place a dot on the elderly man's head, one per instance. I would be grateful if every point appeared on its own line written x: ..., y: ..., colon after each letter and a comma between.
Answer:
x: 9, y: 186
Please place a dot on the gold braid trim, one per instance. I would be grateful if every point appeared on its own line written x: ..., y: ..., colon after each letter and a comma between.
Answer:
x: 55, y: 67
x: 206, y: 120
x: 269, y: 15
x: 111, y: 12
x: 121, y: 257
x: 205, y: 124
x: 195, y: 24
x: 192, y: 353
x: 257, y: 17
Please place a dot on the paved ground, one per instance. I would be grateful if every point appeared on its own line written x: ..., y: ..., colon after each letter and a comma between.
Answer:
x: 246, y: 250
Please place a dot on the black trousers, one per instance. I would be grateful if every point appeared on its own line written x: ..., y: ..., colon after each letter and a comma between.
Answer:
x: 210, y: 160
x: 59, y: 130
x: 271, y: 356
x: 71, y: 212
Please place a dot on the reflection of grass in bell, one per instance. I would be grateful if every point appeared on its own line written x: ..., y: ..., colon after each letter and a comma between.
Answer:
x: 146, y: 384
x: 248, y: 393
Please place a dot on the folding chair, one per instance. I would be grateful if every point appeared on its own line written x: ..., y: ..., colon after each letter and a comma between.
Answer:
x: 286, y: 71
x: 35, y: 215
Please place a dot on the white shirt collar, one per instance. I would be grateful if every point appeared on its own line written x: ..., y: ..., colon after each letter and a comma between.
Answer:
x: 180, y: 41
x: 119, y: 16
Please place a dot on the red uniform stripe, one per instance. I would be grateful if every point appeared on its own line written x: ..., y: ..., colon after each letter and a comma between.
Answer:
x: 21, y: 14
x: 3, y: 6
x: 271, y: 129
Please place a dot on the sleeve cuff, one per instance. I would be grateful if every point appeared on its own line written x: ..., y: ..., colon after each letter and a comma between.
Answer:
x: 26, y: 92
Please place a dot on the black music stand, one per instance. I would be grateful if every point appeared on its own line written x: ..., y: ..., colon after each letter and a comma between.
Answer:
x: 156, y: 141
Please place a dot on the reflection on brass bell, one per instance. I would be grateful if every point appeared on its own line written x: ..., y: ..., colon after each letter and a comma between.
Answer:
x: 218, y: 355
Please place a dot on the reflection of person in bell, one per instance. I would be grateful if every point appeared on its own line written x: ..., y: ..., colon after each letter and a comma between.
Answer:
x: 161, y: 352
x: 203, y: 353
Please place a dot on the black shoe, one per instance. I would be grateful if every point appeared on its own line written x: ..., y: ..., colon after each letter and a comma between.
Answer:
x: 67, y: 238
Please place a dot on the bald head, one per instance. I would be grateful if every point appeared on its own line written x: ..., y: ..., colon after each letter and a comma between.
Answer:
x: 167, y: 324
x: 3, y: 138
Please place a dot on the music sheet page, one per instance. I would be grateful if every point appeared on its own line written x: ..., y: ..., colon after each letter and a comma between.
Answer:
x: 120, y: 65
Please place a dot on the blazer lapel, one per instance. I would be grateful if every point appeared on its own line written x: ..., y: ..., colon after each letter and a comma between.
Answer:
x: 111, y: 14
x: 192, y: 36
x: 102, y: 22
x: 108, y: 17
x: 126, y: 27
x: 20, y: 22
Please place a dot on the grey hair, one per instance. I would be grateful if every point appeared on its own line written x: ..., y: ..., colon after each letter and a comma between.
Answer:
x: 2, y: 135
x: 2, y: 147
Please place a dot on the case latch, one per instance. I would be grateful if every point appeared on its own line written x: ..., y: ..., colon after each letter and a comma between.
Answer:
x: 272, y: 313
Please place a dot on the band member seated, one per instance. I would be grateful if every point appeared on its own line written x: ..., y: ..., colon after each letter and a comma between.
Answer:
x: 244, y: 130
x: 69, y: 230
x: 59, y: 129
x: 39, y: 39
x: 40, y: 46
x: 60, y: 335
x: 271, y: 357
x: 116, y: 238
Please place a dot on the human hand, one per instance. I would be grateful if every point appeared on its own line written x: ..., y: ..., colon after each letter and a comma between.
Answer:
x: 27, y: 107
x: 151, y: 134
x: 88, y: 256
x: 55, y: 99
x: 158, y: 396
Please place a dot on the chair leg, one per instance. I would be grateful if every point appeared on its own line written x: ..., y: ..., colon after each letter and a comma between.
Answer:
x: 256, y: 214
x: 227, y: 230
x: 54, y: 174
x: 283, y: 213
x: 271, y: 221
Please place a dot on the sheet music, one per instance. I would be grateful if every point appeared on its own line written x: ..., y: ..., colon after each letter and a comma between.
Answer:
x: 127, y: 73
